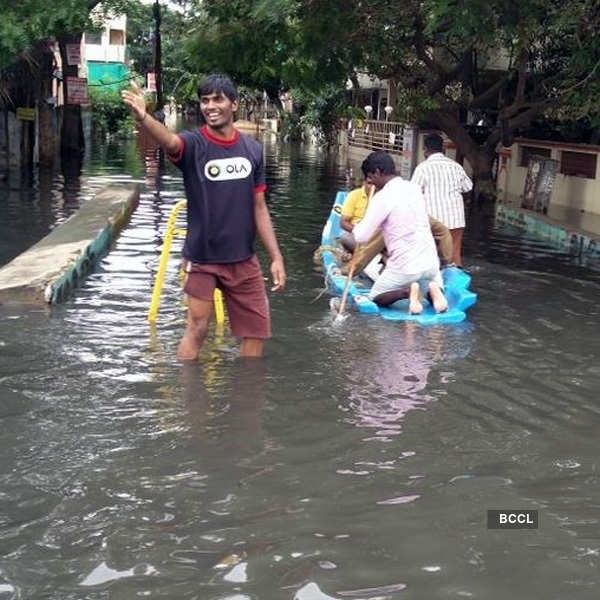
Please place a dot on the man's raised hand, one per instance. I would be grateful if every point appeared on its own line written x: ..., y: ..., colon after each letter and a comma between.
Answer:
x: 134, y: 98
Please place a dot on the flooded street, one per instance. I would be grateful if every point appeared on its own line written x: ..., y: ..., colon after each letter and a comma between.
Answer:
x: 352, y: 462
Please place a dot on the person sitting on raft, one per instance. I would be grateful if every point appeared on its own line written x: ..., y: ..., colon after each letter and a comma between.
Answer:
x: 398, y: 209
x: 367, y: 252
x: 353, y: 211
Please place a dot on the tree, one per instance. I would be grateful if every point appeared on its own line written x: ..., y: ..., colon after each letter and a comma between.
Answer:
x: 254, y: 47
x: 24, y: 29
x: 479, y: 70
x: 179, y: 78
x: 497, y: 62
x: 262, y: 45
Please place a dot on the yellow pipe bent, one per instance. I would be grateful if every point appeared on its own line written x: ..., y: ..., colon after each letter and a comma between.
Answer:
x: 162, y: 269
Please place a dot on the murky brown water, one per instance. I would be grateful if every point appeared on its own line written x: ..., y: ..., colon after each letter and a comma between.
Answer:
x: 356, y: 462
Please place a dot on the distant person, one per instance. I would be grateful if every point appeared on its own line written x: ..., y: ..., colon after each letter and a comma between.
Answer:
x: 443, y: 182
x: 399, y: 211
x: 224, y: 177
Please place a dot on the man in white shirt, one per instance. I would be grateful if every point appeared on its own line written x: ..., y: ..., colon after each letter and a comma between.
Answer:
x: 443, y: 182
x: 399, y: 211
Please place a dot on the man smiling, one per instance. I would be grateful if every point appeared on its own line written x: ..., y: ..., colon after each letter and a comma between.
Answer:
x: 224, y: 178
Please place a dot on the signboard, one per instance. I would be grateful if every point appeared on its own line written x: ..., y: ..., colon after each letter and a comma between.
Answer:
x: 151, y: 85
x: 73, y: 54
x: 77, y: 90
x: 409, y: 154
x: 541, y: 174
x: 26, y: 114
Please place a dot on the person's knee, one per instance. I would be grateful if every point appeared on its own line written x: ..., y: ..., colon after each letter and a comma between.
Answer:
x: 387, y: 298
x: 379, y: 300
x: 348, y: 242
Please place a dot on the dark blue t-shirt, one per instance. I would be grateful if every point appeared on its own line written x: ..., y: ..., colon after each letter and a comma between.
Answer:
x: 221, y: 178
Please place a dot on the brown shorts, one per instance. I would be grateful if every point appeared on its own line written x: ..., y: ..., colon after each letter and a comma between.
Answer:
x: 244, y: 291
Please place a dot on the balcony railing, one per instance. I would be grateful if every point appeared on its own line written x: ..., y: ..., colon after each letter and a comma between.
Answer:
x: 376, y: 135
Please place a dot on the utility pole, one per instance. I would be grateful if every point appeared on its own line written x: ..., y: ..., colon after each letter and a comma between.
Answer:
x: 157, y: 55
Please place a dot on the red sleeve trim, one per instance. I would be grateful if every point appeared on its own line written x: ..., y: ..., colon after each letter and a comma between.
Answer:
x: 260, y: 188
x: 177, y: 157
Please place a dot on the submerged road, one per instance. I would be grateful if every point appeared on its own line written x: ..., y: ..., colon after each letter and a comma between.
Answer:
x: 352, y: 462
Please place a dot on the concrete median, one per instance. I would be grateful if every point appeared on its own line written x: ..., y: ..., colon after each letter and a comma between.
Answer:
x: 51, y: 269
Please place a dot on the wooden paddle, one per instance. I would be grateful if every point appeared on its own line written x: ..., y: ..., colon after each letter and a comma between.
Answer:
x: 340, y: 315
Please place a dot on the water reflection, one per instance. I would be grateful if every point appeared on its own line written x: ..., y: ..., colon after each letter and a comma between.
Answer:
x: 228, y: 415
x: 388, y: 370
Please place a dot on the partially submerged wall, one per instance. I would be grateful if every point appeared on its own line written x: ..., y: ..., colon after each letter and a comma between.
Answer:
x: 50, y: 270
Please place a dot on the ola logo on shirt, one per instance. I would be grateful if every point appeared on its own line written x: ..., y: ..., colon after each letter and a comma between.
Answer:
x: 224, y: 169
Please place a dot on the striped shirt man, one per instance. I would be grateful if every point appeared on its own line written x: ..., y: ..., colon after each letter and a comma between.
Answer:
x: 443, y: 181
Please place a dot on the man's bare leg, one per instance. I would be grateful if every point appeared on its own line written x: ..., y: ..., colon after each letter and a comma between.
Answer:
x: 199, y: 312
x: 388, y: 298
x: 414, y: 303
x: 457, y: 236
x: 440, y: 304
x: 252, y: 347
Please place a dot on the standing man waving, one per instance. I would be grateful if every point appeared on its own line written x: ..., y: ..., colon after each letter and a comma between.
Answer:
x: 224, y: 177
x: 443, y: 182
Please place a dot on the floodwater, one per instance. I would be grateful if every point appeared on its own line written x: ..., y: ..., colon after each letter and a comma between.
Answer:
x: 351, y: 462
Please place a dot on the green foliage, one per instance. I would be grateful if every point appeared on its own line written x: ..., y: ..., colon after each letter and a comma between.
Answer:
x: 110, y: 114
x: 501, y: 61
x: 321, y: 109
x: 29, y: 22
x: 179, y: 78
x: 291, y: 127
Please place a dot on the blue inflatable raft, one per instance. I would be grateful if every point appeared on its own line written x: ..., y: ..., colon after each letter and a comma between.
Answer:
x: 456, y: 283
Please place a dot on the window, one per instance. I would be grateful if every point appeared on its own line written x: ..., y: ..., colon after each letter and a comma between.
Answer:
x: 578, y: 164
x: 117, y: 37
x: 527, y: 151
x: 93, y: 37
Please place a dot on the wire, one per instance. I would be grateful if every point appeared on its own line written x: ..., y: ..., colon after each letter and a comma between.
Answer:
x: 110, y: 83
x: 61, y: 78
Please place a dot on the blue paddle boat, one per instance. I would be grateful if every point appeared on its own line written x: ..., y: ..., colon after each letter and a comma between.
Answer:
x: 456, y: 283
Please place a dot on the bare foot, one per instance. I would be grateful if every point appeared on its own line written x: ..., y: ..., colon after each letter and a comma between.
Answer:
x: 414, y: 303
x: 440, y: 304
x: 415, y: 307
x: 187, y: 350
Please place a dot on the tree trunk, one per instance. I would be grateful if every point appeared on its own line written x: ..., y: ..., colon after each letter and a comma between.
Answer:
x: 157, y: 56
x: 71, y: 138
x: 27, y: 137
x: 392, y: 93
x: 47, y: 137
x: 480, y: 158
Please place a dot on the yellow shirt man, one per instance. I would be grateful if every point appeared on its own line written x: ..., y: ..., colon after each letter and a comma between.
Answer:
x: 355, y: 205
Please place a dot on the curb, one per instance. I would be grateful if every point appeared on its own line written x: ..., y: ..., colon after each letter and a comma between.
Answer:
x: 574, y: 240
x: 52, y: 269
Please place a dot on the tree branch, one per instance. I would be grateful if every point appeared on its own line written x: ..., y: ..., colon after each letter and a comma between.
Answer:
x: 483, y: 98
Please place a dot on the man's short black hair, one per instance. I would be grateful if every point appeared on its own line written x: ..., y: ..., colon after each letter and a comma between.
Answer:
x: 378, y: 160
x: 434, y: 142
x: 217, y: 83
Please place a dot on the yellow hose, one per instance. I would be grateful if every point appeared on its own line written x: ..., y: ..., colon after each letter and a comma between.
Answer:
x: 219, y: 309
x: 164, y: 259
x: 162, y: 269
